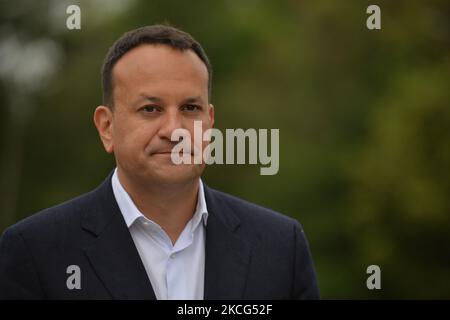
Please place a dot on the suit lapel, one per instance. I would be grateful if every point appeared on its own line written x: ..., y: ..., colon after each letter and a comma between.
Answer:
x: 117, y: 263
x: 112, y: 253
x: 227, y: 256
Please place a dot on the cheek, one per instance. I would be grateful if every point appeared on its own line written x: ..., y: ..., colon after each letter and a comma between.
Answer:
x: 132, y: 135
x: 205, y: 126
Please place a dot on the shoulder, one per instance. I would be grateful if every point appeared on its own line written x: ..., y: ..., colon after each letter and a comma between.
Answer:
x: 252, y: 215
x: 278, y: 244
x: 54, y: 221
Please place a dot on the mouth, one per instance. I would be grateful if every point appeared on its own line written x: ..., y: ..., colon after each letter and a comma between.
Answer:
x: 167, y: 153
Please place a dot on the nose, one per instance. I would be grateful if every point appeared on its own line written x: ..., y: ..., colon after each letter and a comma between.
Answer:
x: 170, y: 121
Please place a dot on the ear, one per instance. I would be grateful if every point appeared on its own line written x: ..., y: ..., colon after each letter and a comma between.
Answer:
x: 211, y: 114
x: 103, y: 117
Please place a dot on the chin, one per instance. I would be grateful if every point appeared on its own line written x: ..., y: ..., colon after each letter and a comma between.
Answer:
x: 177, y: 174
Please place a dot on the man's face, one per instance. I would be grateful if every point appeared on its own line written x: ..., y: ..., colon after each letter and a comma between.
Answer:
x: 157, y: 89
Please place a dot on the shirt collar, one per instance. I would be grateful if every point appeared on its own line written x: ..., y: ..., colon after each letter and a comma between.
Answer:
x: 131, y: 213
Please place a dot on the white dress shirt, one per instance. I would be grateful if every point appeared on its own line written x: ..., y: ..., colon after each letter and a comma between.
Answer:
x: 175, y: 271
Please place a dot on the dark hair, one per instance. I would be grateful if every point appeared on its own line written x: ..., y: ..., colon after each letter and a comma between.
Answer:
x: 155, y: 34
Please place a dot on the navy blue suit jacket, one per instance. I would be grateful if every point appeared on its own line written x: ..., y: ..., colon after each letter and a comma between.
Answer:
x: 251, y: 252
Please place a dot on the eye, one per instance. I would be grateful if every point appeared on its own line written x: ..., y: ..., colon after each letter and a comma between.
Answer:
x: 149, y: 109
x: 191, y: 107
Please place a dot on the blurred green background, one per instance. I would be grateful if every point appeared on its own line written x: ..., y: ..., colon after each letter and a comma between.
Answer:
x: 364, y: 119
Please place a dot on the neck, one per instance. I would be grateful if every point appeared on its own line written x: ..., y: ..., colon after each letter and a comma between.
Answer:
x: 171, y: 207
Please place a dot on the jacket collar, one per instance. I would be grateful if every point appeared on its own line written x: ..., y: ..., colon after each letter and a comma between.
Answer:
x: 112, y: 252
x: 227, y: 254
x: 116, y: 260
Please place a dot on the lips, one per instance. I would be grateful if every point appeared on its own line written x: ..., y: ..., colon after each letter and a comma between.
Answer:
x: 165, y: 152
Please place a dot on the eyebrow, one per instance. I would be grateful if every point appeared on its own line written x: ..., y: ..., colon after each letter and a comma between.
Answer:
x: 150, y: 98
x: 196, y: 99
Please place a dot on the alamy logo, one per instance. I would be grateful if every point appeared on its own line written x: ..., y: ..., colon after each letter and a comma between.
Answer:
x: 258, y: 147
x: 74, y: 278
x: 73, y: 21
x: 374, y: 280
x: 374, y: 20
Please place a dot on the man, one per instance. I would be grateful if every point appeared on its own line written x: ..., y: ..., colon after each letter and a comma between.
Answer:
x: 153, y: 229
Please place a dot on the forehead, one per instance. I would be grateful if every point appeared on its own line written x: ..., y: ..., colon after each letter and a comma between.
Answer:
x: 150, y: 66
